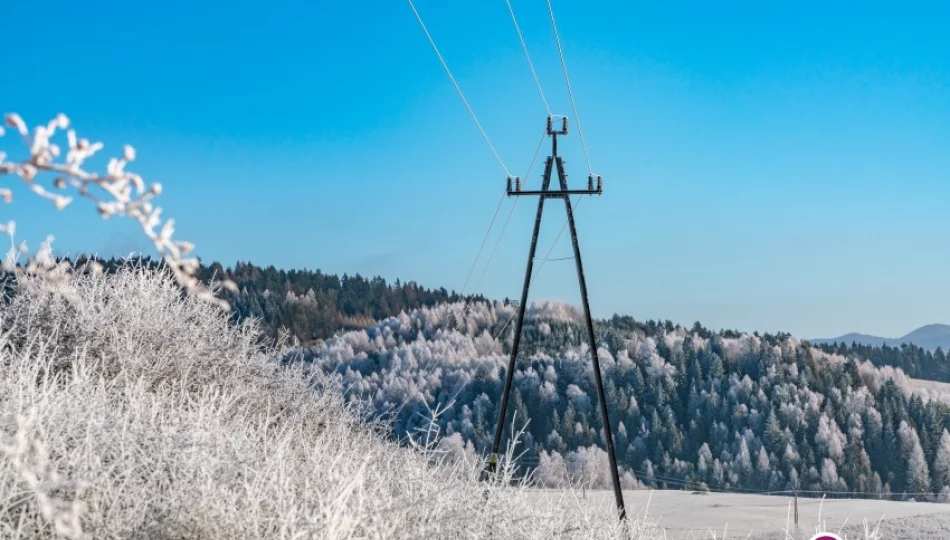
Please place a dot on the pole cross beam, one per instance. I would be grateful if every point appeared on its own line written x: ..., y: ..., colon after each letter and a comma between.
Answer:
x: 544, y: 193
x: 553, y: 194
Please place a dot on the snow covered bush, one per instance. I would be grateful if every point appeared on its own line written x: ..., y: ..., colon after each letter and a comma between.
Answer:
x: 129, y: 410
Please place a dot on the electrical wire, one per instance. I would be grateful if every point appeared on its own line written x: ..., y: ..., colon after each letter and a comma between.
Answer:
x: 478, y: 124
x: 580, y: 132
x: 482, y: 247
x: 547, y: 107
x: 458, y: 88
x: 524, y: 47
x: 546, y: 258
x: 498, y: 240
x: 570, y: 92
x: 492, y: 147
x: 495, y: 152
x: 510, y: 213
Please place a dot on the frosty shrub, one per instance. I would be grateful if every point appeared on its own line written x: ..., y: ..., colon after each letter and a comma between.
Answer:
x: 129, y: 410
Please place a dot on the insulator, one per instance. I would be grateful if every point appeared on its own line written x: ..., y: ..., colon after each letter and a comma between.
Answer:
x: 564, y: 125
x: 509, y: 184
x: 590, y: 183
x: 600, y: 183
x: 517, y: 184
x: 550, y: 124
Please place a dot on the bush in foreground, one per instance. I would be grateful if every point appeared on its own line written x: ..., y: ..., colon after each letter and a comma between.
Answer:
x: 128, y: 410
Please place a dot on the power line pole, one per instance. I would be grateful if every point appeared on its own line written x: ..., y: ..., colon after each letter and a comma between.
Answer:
x: 563, y: 193
x: 796, y: 509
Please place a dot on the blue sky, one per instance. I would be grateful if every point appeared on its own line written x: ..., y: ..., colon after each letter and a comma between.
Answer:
x: 770, y: 167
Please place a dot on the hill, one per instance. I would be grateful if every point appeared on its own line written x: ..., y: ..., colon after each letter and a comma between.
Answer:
x: 928, y: 337
x: 128, y: 411
x: 692, y: 407
x: 913, y: 359
x: 310, y: 306
x: 854, y: 337
x: 106, y: 376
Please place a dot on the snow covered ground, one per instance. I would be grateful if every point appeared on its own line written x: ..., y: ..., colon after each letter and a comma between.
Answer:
x: 687, y: 516
x: 931, y: 389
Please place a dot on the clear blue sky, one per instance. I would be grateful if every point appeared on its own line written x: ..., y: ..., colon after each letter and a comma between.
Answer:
x: 766, y: 167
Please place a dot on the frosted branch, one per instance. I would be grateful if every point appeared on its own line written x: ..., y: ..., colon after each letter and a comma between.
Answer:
x: 126, y: 195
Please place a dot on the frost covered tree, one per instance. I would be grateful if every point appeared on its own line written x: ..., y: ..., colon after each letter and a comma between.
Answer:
x: 941, y: 468
x: 918, y: 475
x: 728, y: 409
x: 830, y: 439
x: 552, y: 470
x: 589, y: 467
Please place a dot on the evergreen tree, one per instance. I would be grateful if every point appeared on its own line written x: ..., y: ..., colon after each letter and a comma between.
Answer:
x: 803, y: 422
x: 774, y: 437
x: 918, y: 474
x: 856, y: 470
x: 941, y: 466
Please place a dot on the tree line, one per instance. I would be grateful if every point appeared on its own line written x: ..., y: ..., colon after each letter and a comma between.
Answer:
x: 306, y: 305
x: 913, y: 360
x: 691, y: 407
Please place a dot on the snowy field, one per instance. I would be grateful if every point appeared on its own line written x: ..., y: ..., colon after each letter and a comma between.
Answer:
x: 938, y: 386
x: 687, y: 516
x: 933, y: 386
x: 939, y: 391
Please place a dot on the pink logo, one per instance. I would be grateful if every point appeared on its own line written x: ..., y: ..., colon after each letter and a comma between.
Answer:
x: 825, y: 536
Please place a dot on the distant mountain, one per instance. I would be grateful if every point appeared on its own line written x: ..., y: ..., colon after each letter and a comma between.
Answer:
x: 930, y: 337
x: 861, y: 339
x: 926, y: 337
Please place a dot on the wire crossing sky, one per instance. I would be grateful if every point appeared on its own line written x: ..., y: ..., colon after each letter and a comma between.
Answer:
x: 766, y: 167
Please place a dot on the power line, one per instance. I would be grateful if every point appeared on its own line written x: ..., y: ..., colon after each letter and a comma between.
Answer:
x: 524, y: 47
x: 497, y: 242
x: 562, y: 192
x: 546, y: 258
x: 479, y: 254
x: 510, y: 213
x: 580, y: 131
x: 492, y: 147
x: 570, y: 92
x: 537, y: 81
x: 480, y: 129
x: 485, y: 136
x: 491, y: 226
x: 458, y: 88
x: 503, y: 228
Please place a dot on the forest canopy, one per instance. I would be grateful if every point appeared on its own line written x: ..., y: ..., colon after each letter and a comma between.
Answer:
x: 690, y: 407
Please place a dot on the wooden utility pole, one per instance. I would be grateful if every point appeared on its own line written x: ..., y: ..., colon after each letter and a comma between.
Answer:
x: 796, y: 509
x: 563, y: 193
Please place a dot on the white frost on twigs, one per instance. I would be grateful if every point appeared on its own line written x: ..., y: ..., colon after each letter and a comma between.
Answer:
x: 126, y: 195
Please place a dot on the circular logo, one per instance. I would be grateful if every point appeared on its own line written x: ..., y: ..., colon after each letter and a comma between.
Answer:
x: 825, y: 536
